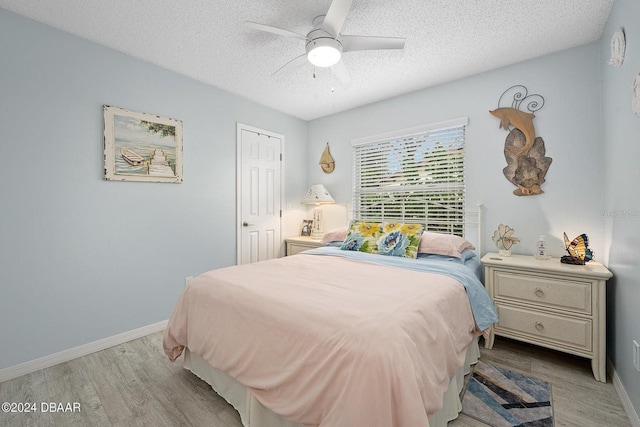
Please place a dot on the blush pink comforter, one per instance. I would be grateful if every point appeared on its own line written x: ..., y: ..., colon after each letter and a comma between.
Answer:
x: 327, y: 341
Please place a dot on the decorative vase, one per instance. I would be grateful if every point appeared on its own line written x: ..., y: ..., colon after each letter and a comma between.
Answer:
x: 504, y: 239
x: 504, y: 252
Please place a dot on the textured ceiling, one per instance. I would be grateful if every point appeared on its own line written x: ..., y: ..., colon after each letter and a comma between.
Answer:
x: 205, y: 40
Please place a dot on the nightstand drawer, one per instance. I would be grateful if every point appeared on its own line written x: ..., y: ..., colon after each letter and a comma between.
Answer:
x: 295, y: 248
x: 544, y: 290
x: 295, y: 245
x: 564, y: 331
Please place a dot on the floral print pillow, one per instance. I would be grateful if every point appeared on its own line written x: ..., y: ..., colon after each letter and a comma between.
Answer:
x: 386, y: 238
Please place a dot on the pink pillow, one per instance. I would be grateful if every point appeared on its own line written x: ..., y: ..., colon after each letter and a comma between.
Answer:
x: 443, y: 244
x: 335, y: 235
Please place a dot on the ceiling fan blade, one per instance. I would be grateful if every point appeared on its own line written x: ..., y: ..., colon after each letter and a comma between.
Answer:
x: 352, y: 43
x: 298, y: 60
x: 341, y: 72
x: 273, y: 30
x: 337, y: 13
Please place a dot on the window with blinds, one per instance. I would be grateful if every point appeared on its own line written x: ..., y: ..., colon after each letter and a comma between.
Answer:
x: 417, y: 176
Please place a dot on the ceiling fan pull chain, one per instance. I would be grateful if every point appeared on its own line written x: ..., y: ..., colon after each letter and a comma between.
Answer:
x: 333, y: 87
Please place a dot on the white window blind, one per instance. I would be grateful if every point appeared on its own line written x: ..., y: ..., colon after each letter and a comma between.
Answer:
x: 414, y: 177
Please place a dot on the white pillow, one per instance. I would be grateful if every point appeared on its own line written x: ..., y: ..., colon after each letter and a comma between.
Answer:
x: 335, y: 235
x: 443, y: 244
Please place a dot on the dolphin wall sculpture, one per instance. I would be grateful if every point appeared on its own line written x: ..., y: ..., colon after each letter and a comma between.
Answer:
x: 527, y: 164
x: 521, y: 121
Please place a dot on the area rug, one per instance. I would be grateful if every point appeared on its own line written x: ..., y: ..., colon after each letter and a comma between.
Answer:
x: 501, y: 398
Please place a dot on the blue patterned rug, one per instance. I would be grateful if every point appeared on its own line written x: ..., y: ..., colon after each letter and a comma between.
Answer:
x: 503, y: 398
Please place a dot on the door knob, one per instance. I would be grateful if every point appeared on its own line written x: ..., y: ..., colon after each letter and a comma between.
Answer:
x: 246, y: 224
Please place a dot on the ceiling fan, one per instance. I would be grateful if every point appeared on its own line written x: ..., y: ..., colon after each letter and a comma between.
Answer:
x: 325, y: 43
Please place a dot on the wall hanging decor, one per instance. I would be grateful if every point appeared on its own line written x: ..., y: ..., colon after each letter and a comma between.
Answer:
x: 618, y: 46
x: 525, y: 153
x: 141, y: 146
x: 504, y: 239
x: 578, y: 250
x: 635, y: 96
x: 326, y: 161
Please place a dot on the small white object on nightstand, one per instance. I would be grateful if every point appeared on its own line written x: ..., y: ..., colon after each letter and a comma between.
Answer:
x: 541, y: 248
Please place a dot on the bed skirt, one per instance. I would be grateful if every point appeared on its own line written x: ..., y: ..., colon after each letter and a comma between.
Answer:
x: 254, y: 414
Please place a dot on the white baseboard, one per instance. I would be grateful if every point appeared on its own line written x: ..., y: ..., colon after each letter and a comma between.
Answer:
x: 75, y: 352
x: 624, y: 397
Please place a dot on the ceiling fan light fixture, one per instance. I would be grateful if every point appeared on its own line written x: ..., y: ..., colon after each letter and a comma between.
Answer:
x: 324, y: 52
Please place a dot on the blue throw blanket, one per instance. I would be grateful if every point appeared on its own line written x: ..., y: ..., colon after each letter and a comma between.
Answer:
x: 482, y: 307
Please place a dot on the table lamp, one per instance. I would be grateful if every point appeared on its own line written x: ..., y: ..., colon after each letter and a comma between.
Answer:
x: 317, y: 195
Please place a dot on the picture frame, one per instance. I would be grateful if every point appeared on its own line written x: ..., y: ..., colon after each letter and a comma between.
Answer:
x: 141, y: 147
x: 307, y: 226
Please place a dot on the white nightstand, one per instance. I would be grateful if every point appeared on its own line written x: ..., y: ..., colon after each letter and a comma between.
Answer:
x: 554, y: 305
x: 296, y: 245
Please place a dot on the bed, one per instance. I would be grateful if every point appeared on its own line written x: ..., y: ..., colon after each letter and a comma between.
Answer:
x: 336, y: 337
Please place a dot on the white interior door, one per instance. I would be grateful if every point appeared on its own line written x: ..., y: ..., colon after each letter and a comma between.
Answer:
x: 259, y: 194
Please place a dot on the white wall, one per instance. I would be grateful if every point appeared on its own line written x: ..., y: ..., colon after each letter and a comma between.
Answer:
x: 621, y: 135
x: 569, y: 123
x: 81, y: 258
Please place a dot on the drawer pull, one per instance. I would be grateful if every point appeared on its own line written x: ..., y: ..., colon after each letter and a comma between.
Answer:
x: 539, y: 292
x: 539, y: 326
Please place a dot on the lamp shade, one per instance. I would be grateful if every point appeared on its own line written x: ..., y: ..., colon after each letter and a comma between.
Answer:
x: 324, y: 52
x: 317, y: 195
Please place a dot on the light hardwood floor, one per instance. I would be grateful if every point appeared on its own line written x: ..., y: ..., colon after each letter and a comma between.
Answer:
x: 133, y: 384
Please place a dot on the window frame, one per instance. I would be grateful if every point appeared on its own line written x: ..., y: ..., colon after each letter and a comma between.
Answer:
x: 417, y: 202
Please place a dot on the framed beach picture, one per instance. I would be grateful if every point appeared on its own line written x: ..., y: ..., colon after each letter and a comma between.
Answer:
x: 141, y: 146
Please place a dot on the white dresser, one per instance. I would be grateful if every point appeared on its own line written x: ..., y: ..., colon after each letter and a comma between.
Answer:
x: 555, y: 305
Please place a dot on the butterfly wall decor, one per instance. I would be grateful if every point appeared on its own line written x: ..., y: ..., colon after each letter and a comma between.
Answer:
x: 578, y: 249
